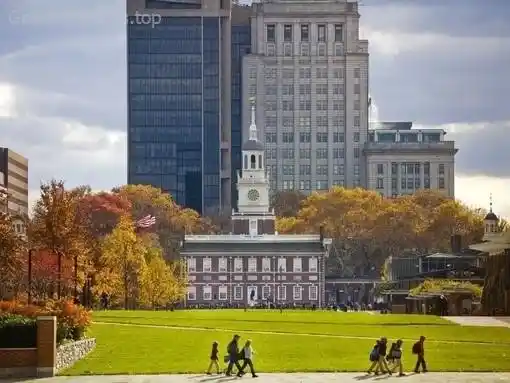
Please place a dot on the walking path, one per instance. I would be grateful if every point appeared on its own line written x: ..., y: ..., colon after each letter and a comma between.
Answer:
x: 480, y: 321
x: 431, y: 377
x: 190, y: 328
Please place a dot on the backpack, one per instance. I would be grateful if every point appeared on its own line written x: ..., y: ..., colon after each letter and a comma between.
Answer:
x: 374, y: 354
x: 416, y: 348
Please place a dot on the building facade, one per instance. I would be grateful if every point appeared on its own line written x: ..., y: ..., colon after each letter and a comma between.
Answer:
x: 14, y: 181
x: 311, y: 69
x: 179, y: 97
x: 401, y: 160
x: 254, y: 265
x: 241, y: 46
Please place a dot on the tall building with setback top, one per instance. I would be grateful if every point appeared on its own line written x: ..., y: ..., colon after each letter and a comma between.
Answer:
x: 309, y: 68
x: 179, y: 97
x: 14, y: 182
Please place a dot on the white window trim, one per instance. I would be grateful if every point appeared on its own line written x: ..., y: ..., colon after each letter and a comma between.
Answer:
x: 235, y: 295
x: 297, y: 261
x: 210, y: 293
x: 250, y: 263
x: 300, y: 297
x: 236, y: 263
x: 192, y: 290
x: 313, y: 262
x: 310, y: 288
x: 282, y: 262
x: 223, y: 269
x: 265, y: 262
x: 223, y: 289
x: 209, y: 269
x: 191, y: 264
x: 281, y: 289
x: 253, y: 227
x: 264, y: 289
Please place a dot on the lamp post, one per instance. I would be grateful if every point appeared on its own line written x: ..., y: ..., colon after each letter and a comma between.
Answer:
x: 30, y: 253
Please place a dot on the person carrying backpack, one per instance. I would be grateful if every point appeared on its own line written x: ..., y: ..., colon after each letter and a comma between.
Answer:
x: 374, y: 358
x: 419, y: 351
x: 233, y: 355
x: 396, y: 354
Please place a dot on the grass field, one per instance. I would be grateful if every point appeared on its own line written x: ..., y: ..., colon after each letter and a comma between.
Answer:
x: 149, y: 342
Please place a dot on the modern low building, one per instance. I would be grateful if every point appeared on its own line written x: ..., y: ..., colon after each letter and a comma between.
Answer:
x: 401, y: 160
x: 14, y: 179
x: 254, y: 265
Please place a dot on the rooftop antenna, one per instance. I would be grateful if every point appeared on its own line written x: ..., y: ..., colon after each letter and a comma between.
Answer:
x: 490, y: 202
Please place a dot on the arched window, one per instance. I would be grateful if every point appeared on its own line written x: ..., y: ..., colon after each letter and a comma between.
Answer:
x: 260, y: 161
x: 245, y: 161
x: 253, y: 162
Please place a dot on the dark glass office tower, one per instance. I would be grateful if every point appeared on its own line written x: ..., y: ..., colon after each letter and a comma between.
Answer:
x: 241, y: 45
x: 179, y: 100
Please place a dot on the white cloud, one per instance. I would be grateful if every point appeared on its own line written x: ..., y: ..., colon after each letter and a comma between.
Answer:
x: 7, y: 101
x: 475, y: 191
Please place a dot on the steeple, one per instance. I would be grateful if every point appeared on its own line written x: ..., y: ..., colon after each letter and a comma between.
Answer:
x: 491, y: 220
x: 253, y: 126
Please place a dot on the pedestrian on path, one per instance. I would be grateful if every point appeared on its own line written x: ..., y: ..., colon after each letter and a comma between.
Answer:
x: 233, y: 355
x: 214, y: 359
x: 419, y: 350
x: 396, y: 355
x: 247, y: 354
x: 374, y: 358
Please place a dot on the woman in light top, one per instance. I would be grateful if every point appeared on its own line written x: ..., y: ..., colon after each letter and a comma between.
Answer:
x: 247, y: 353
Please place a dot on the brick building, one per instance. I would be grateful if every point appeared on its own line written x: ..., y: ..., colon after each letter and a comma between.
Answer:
x: 254, y: 264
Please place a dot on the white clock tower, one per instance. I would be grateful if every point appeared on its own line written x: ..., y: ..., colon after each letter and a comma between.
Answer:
x: 253, y: 188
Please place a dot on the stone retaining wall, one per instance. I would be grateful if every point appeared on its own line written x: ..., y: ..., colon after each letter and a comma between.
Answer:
x: 69, y: 353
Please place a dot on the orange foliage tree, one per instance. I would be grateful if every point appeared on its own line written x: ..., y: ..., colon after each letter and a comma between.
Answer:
x: 368, y: 228
x: 12, y: 264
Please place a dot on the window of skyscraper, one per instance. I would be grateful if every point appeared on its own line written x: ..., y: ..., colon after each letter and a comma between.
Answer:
x: 271, y: 33
x: 321, y: 32
x: 287, y: 32
x: 305, y: 32
x: 339, y: 32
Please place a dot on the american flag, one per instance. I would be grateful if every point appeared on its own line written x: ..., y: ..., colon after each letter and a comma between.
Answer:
x: 146, y: 222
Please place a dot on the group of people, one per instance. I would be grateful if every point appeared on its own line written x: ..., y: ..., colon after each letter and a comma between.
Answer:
x: 233, y: 357
x: 388, y: 361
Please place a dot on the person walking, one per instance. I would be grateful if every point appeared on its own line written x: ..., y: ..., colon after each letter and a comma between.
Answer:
x: 233, y: 355
x: 214, y: 359
x: 419, y: 351
x: 383, y: 365
x: 374, y: 358
x: 247, y: 353
x: 396, y: 354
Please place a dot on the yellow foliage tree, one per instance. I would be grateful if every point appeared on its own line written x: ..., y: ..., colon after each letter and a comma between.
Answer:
x: 159, y: 284
x: 12, y: 253
x: 121, y: 264
x: 368, y: 228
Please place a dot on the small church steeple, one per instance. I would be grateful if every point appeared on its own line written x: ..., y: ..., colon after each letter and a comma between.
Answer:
x: 491, y: 220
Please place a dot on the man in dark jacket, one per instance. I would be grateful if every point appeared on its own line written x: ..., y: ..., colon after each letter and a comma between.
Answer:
x: 419, y: 350
x: 233, y: 355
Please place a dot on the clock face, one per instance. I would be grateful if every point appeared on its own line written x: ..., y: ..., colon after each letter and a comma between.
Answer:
x: 253, y: 195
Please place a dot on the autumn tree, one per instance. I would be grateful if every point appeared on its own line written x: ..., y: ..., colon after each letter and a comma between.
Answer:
x: 58, y: 226
x: 12, y: 254
x: 160, y: 283
x: 122, y: 263
x: 172, y: 221
x: 287, y: 203
x: 367, y: 228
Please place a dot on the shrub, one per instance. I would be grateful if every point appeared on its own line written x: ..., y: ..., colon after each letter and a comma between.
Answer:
x: 17, y: 331
x: 72, y: 320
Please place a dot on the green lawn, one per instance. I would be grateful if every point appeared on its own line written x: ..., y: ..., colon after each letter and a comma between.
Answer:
x: 159, y: 349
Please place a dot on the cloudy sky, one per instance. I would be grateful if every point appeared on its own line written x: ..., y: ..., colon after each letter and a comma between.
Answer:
x: 443, y: 64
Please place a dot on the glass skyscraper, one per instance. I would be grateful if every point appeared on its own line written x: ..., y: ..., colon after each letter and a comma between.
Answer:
x: 178, y: 110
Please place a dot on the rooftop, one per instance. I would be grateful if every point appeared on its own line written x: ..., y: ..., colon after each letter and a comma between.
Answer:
x: 276, y: 238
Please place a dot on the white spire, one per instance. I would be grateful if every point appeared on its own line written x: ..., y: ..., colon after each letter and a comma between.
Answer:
x: 253, y: 126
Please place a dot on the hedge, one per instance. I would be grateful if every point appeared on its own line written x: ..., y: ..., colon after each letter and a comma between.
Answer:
x: 17, y: 331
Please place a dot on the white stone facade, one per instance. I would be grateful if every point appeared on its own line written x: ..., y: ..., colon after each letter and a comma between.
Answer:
x: 309, y: 70
x: 404, y: 161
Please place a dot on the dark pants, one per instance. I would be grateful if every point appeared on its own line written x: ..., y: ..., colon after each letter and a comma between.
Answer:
x: 247, y: 362
x: 231, y: 363
x: 420, y: 362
